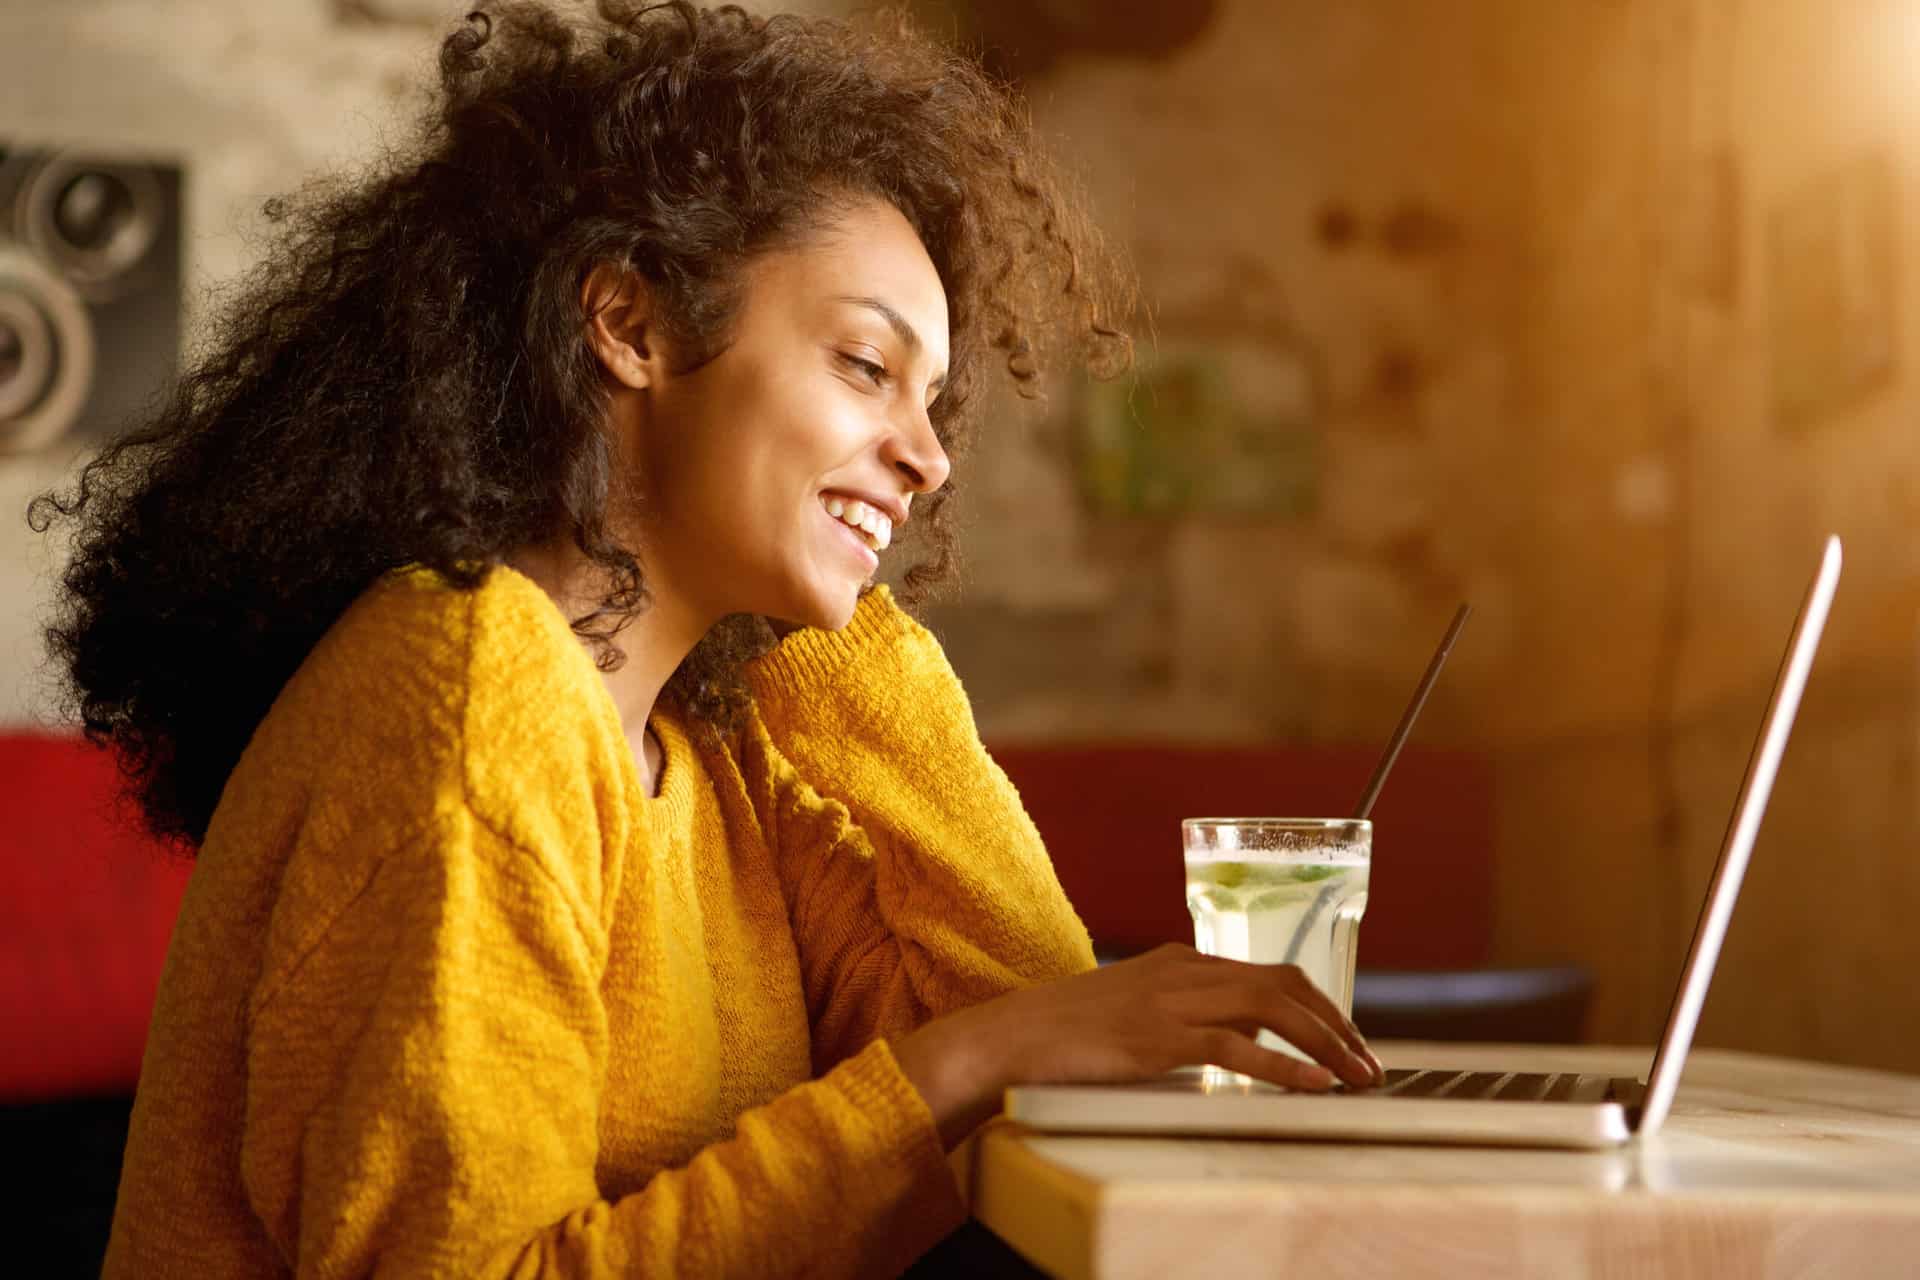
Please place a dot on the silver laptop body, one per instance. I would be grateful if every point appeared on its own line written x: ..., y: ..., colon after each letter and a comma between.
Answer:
x: 1487, y: 1108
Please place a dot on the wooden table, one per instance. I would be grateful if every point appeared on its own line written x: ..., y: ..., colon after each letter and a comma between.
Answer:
x: 1766, y: 1168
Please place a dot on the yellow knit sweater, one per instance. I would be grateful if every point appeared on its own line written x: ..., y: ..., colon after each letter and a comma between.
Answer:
x: 450, y: 995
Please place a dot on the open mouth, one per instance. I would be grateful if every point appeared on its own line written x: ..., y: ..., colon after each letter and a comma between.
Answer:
x: 872, y: 524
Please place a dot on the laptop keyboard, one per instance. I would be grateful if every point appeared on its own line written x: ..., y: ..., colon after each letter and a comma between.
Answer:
x: 1507, y: 1086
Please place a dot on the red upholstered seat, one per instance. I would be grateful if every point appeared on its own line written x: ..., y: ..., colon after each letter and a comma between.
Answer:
x: 1110, y: 815
x: 87, y: 903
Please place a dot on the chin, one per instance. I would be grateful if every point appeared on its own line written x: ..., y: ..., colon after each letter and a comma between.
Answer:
x: 835, y: 617
x: 822, y: 612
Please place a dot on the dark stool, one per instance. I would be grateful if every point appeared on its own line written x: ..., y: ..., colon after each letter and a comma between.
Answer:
x: 1530, y: 1006
x: 63, y: 1156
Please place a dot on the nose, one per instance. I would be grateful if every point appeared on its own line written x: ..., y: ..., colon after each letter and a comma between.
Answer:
x: 914, y: 452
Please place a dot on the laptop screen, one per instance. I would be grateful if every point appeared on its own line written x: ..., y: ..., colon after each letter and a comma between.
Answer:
x: 1737, y: 847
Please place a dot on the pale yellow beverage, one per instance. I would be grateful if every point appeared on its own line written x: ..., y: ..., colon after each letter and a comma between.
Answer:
x: 1281, y: 891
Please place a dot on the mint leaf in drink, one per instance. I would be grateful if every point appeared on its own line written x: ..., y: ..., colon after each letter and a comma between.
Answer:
x: 1228, y: 875
x: 1310, y: 873
x: 1212, y: 898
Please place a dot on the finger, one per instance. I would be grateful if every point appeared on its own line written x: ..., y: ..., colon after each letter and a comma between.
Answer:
x: 1269, y: 1000
x: 1308, y: 993
x: 1219, y: 1047
x: 1294, y: 982
x: 1299, y: 1026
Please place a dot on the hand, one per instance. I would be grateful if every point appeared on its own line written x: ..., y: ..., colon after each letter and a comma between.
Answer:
x: 1134, y: 1020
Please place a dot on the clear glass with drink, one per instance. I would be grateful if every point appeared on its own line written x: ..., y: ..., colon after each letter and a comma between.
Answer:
x: 1281, y: 891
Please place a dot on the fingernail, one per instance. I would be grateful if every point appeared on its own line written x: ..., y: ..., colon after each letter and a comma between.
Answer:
x: 1320, y: 1077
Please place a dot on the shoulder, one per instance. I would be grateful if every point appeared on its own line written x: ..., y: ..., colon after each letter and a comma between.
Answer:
x: 415, y: 632
x: 483, y: 689
x: 546, y: 757
x: 436, y: 734
x: 418, y: 653
x: 385, y: 684
x: 428, y: 705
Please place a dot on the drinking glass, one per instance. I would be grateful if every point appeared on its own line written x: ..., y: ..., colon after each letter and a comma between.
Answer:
x: 1281, y: 891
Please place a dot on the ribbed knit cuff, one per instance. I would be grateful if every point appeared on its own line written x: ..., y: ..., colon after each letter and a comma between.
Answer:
x: 810, y: 658
x: 918, y: 1190
x: 874, y: 1083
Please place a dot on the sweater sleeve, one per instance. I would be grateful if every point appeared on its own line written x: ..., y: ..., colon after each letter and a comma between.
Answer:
x: 916, y: 881
x: 424, y: 1083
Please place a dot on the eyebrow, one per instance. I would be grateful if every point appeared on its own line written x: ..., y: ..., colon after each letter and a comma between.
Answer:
x: 897, y: 322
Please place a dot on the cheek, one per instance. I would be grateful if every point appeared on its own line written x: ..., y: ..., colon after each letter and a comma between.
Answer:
x: 746, y: 462
x: 806, y: 448
x: 754, y: 496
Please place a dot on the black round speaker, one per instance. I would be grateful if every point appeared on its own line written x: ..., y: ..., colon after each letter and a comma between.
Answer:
x: 89, y: 292
x: 46, y: 354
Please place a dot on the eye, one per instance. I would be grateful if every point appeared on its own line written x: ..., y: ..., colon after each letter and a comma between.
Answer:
x: 874, y: 373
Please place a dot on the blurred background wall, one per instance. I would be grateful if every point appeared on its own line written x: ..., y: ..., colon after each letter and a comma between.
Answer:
x: 1607, y: 300
x: 1594, y: 313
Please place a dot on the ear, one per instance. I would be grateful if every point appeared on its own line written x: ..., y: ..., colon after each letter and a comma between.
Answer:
x: 620, y: 325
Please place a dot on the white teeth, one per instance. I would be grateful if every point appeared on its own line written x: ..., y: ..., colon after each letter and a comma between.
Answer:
x: 869, y: 520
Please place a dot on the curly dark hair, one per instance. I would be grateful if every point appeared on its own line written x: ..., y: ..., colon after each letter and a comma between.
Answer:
x: 404, y: 377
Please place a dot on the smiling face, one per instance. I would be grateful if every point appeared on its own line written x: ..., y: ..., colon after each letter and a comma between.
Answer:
x: 774, y: 476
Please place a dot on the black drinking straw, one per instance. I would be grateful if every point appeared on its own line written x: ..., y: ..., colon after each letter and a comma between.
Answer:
x: 1400, y: 734
x: 1380, y: 772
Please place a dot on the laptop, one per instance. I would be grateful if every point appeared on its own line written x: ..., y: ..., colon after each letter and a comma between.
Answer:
x: 1481, y: 1108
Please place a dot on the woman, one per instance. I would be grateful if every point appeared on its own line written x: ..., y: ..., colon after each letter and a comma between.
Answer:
x: 549, y: 917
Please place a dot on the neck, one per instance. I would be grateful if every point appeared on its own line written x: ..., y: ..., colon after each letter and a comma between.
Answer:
x: 655, y: 642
